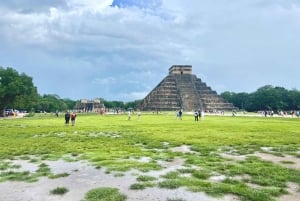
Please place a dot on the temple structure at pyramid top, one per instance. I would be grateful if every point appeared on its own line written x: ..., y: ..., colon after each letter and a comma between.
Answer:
x: 180, y: 69
x: 183, y: 90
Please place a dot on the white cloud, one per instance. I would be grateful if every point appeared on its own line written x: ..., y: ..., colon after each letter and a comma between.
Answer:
x: 89, y: 5
x: 104, y: 81
x: 137, y: 43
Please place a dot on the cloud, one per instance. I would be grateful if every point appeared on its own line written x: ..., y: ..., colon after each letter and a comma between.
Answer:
x: 104, y: 81
x: 102, y: 43
x: 32, y: 6
x: 93, y: 6
x: 142, y: 4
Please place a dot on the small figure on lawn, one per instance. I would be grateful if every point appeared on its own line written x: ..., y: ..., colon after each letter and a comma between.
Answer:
x: 67, y: 118
x: 73, y: 117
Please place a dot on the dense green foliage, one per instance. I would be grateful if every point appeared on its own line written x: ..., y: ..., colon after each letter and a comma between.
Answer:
x: 16, y: 90
x: 265, y: 98
x: 120, y: 104
x: 116, y: 144
x: 53, y: 103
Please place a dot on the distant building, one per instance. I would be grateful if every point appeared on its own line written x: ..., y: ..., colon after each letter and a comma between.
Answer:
x: 183, y: 90
x: 85, y: 105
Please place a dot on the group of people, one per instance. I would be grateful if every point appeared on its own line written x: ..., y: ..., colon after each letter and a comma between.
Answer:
x: 72, y: 116
x: 139, y: 114
x: 198, y: 114
x: 69, y: 116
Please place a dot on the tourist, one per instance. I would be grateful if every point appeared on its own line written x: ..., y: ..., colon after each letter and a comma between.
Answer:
x: 129, y: 115
x: 139, y: 115
x: 196, y: 115
x: 67, y: 118
x: 233, y: 113
x: 199, y: 114
x: 180, y: 114
x: 265, y: 113
x: 73, y: 117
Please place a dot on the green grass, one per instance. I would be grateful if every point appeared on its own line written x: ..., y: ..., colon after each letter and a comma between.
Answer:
x: 137, y: 186
x: 59, y: 191
x: 175, y: 199
x: 55, y: 176
x: 118, y: 145
x: 11, y: 173
x: 145, y: 178
x: 104, y: 194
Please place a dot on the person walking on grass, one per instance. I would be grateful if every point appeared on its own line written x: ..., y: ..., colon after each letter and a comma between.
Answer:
x: 139, y: 115
x: 73, y: 117
x: 129, y: 115
x: 67, y: 118
x: 196, y: 115
x: 202, y: 115
x: 180, y: 114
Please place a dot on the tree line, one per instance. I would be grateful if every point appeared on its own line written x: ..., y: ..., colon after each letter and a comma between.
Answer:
x: 17, y: 91
x: 265, y: 98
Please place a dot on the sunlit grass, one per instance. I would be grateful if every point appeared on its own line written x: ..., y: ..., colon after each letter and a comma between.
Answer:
x: 118, y: 145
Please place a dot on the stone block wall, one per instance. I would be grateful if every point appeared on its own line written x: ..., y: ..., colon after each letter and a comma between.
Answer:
x: 183, y: 91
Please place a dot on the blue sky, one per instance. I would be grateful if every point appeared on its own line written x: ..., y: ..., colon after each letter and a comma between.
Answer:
x: 120, y: 50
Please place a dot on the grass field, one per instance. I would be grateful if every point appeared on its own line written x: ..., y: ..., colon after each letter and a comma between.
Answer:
x: 118, y: 145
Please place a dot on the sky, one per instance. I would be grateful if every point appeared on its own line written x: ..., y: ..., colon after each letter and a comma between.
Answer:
x: 121, y: 49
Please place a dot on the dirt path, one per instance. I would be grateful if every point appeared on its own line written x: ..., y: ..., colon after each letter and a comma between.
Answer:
x: 84, y: 177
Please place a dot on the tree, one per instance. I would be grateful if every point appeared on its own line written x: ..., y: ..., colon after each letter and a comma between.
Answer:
x: 16, y: 90
x: 267, y: 97
x: 69, y: 103
x: 294, y: 99
x: 132, y: 104
x: 240, y: 100
x: 270, y: 98
x: 53, y: 103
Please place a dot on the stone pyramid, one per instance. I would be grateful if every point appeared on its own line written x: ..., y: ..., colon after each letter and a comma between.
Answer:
x: 183, y: 90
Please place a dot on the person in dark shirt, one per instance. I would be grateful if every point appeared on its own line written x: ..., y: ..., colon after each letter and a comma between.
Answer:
x: 67, y: 118
x: 196, y: 115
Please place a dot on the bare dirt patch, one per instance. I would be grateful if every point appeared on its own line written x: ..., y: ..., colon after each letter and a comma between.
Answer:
x: 83, y: 177
x: 286, y: 161
x: 183, y: 149
x: 233, y: 157
x: 294, y: 193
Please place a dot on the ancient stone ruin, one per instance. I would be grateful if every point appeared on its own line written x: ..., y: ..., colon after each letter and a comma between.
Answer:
x: 183, y: 90
x: 85, y: 105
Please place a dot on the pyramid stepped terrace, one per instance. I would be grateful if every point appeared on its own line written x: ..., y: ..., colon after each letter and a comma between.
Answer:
x: 183, y: 90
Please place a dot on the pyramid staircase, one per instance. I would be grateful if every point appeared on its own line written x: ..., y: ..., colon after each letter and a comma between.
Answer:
x: 163, y: 97
x: 182, y: 90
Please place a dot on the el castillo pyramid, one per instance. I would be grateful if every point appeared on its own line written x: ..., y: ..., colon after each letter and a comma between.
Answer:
x: 183, y: 90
